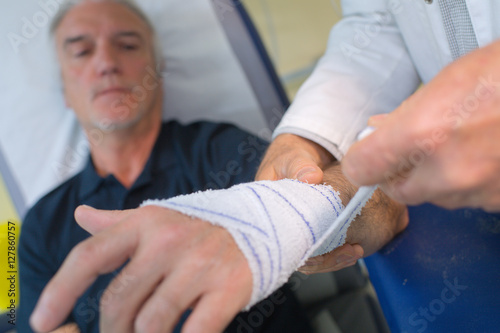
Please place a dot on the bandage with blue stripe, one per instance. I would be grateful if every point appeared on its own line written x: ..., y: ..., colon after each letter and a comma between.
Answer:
x: 277, y: 225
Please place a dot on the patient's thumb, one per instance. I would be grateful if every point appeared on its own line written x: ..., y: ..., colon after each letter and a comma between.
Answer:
x: 95, y: 220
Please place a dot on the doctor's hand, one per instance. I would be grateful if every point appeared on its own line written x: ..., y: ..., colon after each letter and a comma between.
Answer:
x: 176, y: 263
x: 291, y: 156
x: 442, y: 145
x: 380, y: 220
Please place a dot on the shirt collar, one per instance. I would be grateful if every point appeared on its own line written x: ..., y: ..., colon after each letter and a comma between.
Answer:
x: 161, y: 157
x: 90, y: 180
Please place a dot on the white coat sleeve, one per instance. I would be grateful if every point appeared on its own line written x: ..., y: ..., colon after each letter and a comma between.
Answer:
x: 366, y: 70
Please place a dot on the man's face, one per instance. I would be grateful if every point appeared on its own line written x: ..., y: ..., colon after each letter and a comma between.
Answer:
x: 107, y: 64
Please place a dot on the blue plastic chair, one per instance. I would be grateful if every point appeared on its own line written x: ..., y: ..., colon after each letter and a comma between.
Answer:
x: 442, y: 274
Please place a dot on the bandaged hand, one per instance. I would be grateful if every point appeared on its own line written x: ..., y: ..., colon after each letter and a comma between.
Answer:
x: 178, y: 262
x: 280, y: 224
x: 442, y: 145
x: 291, y: 156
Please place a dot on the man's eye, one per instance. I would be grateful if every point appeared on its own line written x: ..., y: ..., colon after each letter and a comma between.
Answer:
x: 81, y: 53
x: 129, y: 47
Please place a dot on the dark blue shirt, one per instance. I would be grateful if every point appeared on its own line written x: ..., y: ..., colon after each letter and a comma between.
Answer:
x: 184, y: 159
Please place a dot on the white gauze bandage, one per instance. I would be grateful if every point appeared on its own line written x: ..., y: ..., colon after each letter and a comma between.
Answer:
x: 276, y: 224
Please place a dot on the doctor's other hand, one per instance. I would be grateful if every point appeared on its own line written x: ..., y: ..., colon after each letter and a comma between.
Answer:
x: 176, y: 263
x: 380, y: 220
x: 442, y: 145
x: 291, y: 156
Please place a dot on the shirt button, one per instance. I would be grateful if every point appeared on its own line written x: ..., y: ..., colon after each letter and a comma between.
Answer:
x: 428, y: 2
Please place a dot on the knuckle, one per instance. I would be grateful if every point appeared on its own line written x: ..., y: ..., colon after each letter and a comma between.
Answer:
x: 168, y: 305
x: 170, y: 236
x: 206, y: 254
x: 145, y: 324
x: 165, y: 236
x: 154, y: 318
x: 85, y: 253
x: 110, y: 309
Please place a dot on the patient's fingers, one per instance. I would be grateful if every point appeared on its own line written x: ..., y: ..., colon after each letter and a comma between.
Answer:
x: 98, y: 255
x: 200, y: 259
x: 94, y: 220
x: 170, y: 300
x: 125, y: 295
x: 211, y: 314
x: 340, y: 258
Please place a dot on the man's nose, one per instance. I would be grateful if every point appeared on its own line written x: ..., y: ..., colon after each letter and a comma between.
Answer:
x: 106, y: 60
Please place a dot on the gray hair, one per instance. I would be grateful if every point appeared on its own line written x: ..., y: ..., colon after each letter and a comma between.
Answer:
x: 67, y: 5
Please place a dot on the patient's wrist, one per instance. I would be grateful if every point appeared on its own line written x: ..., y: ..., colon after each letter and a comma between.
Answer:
x: 276, y: 224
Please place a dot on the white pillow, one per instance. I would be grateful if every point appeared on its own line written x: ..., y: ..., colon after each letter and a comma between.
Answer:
x: 41, y: 139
